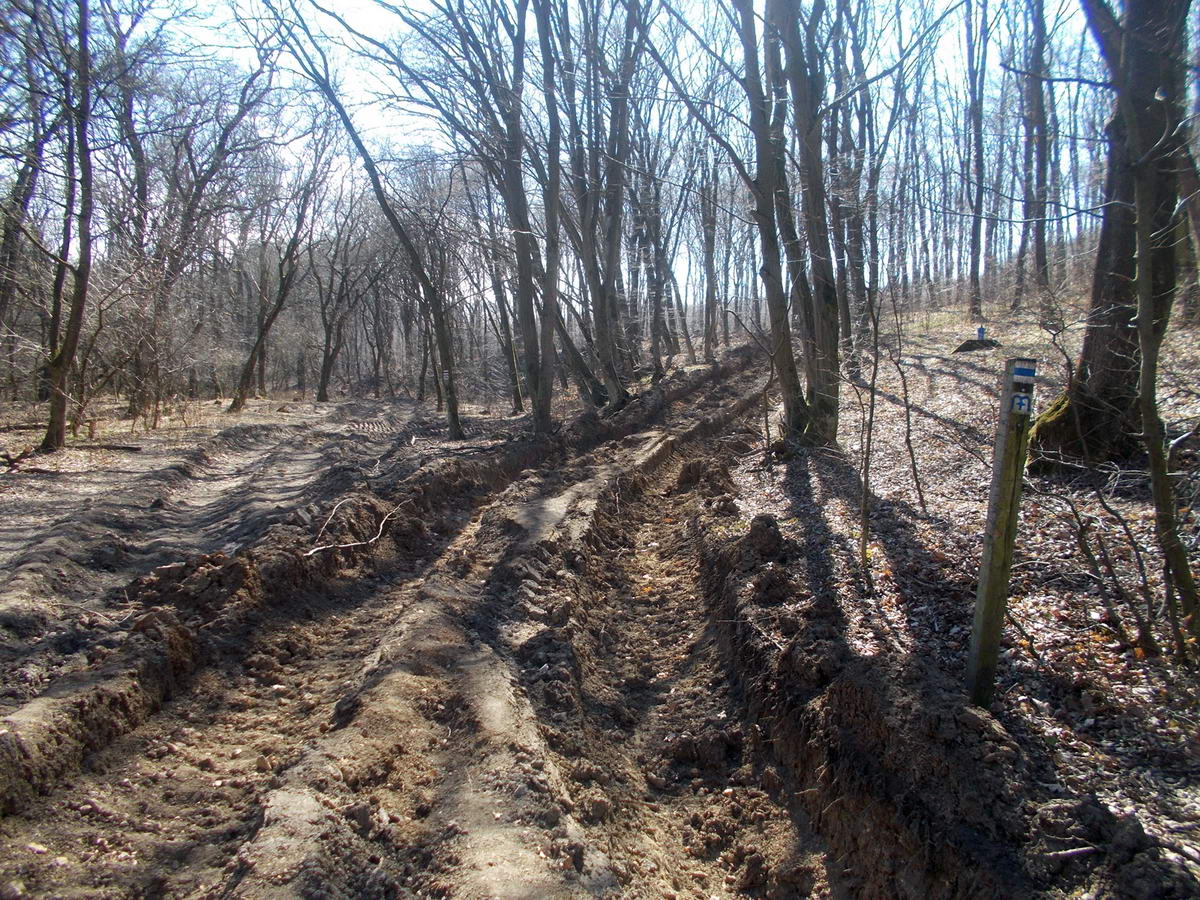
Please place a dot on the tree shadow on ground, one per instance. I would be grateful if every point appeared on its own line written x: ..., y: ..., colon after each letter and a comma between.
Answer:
x: 936, y: 597
x: 959, y: 370
x: 964, y: 430
x: 919, y: 575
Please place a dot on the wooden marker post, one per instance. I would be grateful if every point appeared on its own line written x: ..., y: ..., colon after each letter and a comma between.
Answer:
x: 1008, y: 465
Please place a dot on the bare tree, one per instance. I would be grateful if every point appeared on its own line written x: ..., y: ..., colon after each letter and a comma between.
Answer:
x: 977, y: 33
x: 1144, y: 52
x: 596, y: 98
x: 287, y: 231
x: 62, y: 28
x: 764, y: 185
x: 1098, y: 416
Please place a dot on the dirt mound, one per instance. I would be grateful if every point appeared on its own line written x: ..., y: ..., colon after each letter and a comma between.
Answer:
x: 711, y: 478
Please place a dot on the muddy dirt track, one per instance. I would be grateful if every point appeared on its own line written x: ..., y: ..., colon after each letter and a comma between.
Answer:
x: 72, y: 540
x: 519, y: 671
x: 429, y: 718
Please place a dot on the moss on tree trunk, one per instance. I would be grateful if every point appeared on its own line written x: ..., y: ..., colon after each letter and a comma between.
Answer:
x: 1096, y: 418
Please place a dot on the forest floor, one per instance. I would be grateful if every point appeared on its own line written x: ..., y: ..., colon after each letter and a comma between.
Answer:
x: 320, y: 651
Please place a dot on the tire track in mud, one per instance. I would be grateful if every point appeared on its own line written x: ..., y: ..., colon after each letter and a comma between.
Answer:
x: 214, y: 497
x: 164, y: 810
x: 67, y: 600
x: 565, y: 679
x: 545, y: 772
x: 677, y: 796
x: 215, y: 760
x: 577, y: 683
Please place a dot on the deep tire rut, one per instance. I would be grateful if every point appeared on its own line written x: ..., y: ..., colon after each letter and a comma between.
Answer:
x: 672, y: 782
x: 376, y: 738
x: 164, y: 810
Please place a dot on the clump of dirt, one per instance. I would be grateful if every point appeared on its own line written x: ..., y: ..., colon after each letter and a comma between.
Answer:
x: 763, y: 539
x: 587, y: 430
x: 711, y: 478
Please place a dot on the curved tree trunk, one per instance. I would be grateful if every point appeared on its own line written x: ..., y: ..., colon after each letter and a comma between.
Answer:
x: 1098, y: 416
x: 60, y: 364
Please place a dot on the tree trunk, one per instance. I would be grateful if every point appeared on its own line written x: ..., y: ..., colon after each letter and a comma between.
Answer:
x: 803, y: 74
x: 60, y: 364
x: 768, y: 150
x: 709, y: 191
x: 1039, y: 138
x: 1098, y: 417
x: 977, y: 44
x: 1150, y: 102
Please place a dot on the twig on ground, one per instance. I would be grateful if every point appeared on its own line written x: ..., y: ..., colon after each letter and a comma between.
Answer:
x: 96, y: 612
x: 12, y: 462
x: 1070, y: 853
x: 1025, y: 634
x: 126, y: 448
x: 378, y: 534
x: 970, y: 451
x: 332, y: 513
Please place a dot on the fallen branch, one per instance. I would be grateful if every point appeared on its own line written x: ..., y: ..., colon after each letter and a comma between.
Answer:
x: 12, y: 462
x: 395, y: 509
x: 1071, y: 853
x: 332, y: 513
x: 128, y: 448
x: 477, y: 448
x: 1025, y: 634
x: 97, y: 613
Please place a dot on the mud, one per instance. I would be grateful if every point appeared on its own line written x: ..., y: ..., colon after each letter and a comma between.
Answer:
x: 518, y: 800
x: 75, y: 677
x: 582, y: 667
x: 208, y: 611
x: 70, y: 551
